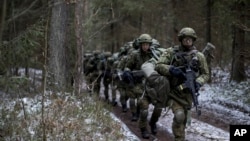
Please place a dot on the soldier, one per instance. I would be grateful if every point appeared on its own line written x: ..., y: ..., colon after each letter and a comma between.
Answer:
x: 134, y: 62
x: 121, y: 86
x: 151, y: 97
x: 105, y: 67
x: 87, y: 56
x: 94, y: 75
x: 175, y: 63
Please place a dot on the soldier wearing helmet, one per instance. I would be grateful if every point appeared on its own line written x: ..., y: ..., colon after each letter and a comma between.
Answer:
x: 121, y: 62
x: 187, y: 37
x: 93, y: 75
x: 105, y: 67
x: 134, y: 62
x: 174, y: 63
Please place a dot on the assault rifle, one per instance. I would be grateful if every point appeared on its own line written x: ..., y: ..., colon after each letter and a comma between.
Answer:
x: 190, y: 83
x: 129, y: 77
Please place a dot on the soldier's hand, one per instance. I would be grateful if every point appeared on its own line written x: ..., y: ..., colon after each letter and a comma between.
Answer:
x: 176, y: 72
x: 127, y: 77
x: 197, y: 86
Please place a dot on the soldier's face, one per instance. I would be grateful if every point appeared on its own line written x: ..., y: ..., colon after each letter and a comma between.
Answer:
x: 145, y: 46
x: 187, y: 42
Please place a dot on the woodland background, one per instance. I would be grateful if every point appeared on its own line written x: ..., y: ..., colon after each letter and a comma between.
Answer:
x: 53, y: 35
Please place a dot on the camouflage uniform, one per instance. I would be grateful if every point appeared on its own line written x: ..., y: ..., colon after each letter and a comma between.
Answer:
x: 121, y: 86
x: 150, y: 98
x: 87, y: 56
x: 105, y: 66
x: 94, y: 76
x: 182, y: 99
x: 134, y: 62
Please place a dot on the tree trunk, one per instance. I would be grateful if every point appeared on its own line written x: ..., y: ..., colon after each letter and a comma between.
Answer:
x: 112, y: 32
x: 79, y: 31
x: 4, y: 7
x: 208, y: 34
x: 238, y: 69
x: 208, y: 23
x: 57, y: 49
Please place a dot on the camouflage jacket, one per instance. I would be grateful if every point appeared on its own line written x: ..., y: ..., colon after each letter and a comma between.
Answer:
x: 122, y: 62
x: 136, y: 59
x: 169, y: 58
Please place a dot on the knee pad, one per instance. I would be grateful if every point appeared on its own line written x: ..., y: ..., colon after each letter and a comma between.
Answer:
x: 179, y: 116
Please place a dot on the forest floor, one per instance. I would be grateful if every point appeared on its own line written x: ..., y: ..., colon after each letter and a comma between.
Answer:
x: 221, y: 104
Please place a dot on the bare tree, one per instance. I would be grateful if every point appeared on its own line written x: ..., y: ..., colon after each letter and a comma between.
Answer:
x: 238, y: 63
x: 208, y: 33
x: 79, y: 31
x: 57, y: 44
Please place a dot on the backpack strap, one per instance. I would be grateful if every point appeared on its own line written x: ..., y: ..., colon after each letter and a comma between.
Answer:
x: 176, y: 49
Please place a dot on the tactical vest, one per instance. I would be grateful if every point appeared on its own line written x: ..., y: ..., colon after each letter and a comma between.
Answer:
x: 181, y: 59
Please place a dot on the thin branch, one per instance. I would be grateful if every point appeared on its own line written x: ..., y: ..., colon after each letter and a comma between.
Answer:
x: 23, y: 12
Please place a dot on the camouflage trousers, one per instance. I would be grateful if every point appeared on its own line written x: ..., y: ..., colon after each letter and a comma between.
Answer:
x: 134, y: 94
x: 181, y: 117
x: 95, y: 82
x: 144, y: 105
x: 106, y: 82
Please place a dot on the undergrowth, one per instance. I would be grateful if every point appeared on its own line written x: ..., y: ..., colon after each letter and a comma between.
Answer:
x: 67, y: 117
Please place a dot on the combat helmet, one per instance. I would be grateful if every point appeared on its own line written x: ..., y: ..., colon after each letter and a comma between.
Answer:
x: 187, y: 32
x: 136, y: 43
x: 145, y: 38
x: 96, y: 52
x: 107, y: 54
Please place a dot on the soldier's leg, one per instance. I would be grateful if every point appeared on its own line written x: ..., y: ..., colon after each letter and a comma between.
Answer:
x: 132, y: 104
x: 106, y: 88
x: 97, y: 85
x: 154, y: 118
x: 137, y: 92
x: 88, y: 82
x: 133, y: 108
x: 123, y: 99
x: 143, y: 104
x: 179, y: 121
x: 113, y: 95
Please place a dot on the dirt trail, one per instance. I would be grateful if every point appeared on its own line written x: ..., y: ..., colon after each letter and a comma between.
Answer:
x: 162, y: 135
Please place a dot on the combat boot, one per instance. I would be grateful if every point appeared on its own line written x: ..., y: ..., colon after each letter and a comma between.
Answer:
x: 135, y: 117
x: 114, y: 103
x: 144, y: 133
x: 153, y: 128
x: 124, y: 108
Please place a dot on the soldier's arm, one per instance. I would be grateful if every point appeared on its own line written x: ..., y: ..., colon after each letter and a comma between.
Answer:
x: 163, y: 64
x: 121, y: 63
x: 130, y: 61
x: 203, y: 69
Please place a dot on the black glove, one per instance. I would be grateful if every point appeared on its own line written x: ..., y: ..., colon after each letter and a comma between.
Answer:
x: 197, y: 86
x: 128, y: 78
x: 176, y: 72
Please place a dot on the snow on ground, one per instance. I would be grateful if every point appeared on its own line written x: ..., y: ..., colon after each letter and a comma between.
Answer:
x: 197, y: 131
x: 229, y: 100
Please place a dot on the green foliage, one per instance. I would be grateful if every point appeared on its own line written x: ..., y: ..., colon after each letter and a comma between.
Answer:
x: 25, y: 49
x: 16, y: 85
